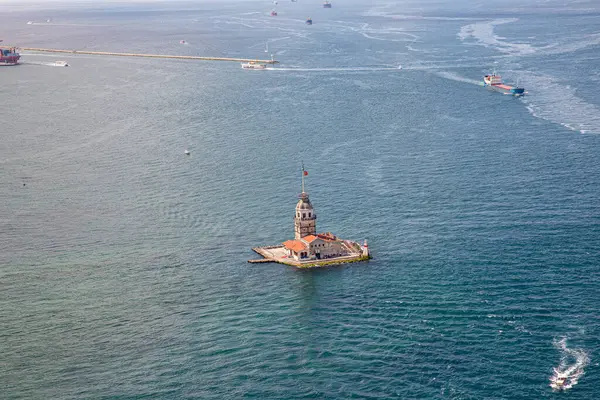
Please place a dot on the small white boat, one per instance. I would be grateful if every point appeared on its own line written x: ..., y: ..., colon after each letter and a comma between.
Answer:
x: 61, y: 63
x: 186, y: 152
x: 254, y: 65
x: 559, y: 382
x: 29, y: 22
x: 399, y: 66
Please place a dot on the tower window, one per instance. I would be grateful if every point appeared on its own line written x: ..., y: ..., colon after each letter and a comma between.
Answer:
x: 303, y: 215
x: 309, y: 215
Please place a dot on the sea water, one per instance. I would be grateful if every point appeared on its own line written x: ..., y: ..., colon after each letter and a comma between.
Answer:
x: 123, y: 268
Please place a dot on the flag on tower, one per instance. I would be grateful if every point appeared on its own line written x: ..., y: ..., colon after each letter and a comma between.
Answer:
x: 305, y: 173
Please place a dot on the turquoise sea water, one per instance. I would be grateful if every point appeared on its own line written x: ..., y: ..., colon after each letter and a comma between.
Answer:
x: 123, y: 268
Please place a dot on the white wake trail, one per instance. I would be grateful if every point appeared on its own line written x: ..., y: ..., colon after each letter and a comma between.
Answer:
x: 455, y: 77
x: 484, y: 34
x: 570, y: 368
x: 338, y: 69
x: 556, y: 102
x: 47, y: 64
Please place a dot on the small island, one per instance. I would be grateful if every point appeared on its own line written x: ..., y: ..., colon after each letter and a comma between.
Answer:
x: 309, y: 248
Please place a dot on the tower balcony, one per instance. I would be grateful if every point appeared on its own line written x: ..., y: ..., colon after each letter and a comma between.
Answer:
x: 311, y: 218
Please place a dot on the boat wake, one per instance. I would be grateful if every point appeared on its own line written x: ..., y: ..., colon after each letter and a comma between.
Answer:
x: 47, y: 64
x: 443, y: 74
x: 338, y: 69
x: 455, y: 77
x: 571, y: 366
x: 483, y: 33
x: 558, y: 103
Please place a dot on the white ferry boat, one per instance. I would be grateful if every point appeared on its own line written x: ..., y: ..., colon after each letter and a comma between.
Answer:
x: 254, y: 65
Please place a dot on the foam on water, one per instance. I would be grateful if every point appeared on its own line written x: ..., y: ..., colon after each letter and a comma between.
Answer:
x: 571, y: 366
x: 458, y: 78
x: 384, y: 34
x: 47, y: 64
x: 380, y: 12
x: 554, y: 101
x: 336, y: 69
x: 483, y: 33
x: 571, y: 45
x: 399, y: 68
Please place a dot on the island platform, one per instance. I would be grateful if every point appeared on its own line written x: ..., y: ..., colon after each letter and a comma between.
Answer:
x: 279, y: 254
x: 308, y: 248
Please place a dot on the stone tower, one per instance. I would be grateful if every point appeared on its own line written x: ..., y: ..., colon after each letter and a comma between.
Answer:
x: 305, y: 219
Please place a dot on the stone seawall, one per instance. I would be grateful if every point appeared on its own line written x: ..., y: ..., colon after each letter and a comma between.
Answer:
x: 278, y: 254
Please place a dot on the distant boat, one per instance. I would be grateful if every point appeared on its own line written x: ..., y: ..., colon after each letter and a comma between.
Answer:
x: 309, y: 21
x: 186, y: 152
x: 267, y: 47
x: 254, y: 65
x: 559, y: 383
x: 275, y: 2
x: 273, y: 13
x: 29, y: 22
x: 61, y: 63
x: 9, y: 56
x: 182, y: 42
x: 326, y: 4
x: 494, y: 82
x: 399, y: 66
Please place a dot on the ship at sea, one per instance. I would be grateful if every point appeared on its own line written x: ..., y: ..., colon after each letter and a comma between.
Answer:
x: 273, y: 13
x: 494, y: 81
x: 309, y: 21
x: 9, y: 56
x: 254, y: 65
x: 326, y: 4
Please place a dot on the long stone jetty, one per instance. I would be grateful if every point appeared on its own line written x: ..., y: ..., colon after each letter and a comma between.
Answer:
x: 107, y: 53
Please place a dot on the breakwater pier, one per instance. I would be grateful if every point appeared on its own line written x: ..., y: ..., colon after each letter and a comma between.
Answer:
x: 108, y: 53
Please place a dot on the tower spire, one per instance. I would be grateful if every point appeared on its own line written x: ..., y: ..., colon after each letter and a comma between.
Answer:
x: 305, y: 219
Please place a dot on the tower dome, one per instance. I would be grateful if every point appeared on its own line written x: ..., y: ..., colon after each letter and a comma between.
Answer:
x: 304, y: 203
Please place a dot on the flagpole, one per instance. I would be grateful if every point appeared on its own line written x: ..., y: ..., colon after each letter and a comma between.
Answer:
x: 302, y: 177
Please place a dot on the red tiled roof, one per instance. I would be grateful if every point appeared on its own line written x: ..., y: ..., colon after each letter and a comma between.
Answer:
x: 294, y: 245
x: 310, y: 238
x: 327, y: 236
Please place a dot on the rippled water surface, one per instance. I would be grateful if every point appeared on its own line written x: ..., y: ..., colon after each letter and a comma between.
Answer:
x: 123, y: 262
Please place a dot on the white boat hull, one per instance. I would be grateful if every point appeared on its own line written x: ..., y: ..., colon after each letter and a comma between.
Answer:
x: 253, y: 66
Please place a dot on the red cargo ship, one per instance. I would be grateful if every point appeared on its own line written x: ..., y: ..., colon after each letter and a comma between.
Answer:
x: 9, y: 56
